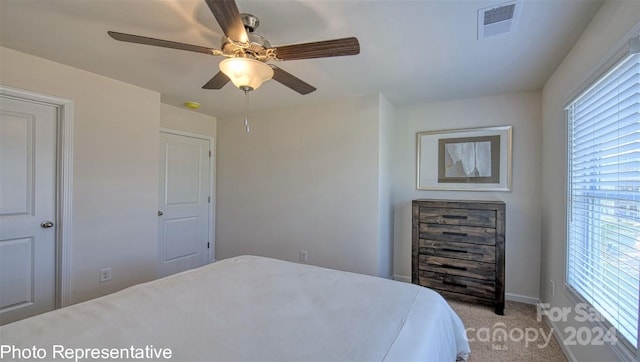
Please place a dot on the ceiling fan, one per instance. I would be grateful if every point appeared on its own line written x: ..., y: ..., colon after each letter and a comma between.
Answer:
x: 247, y: 53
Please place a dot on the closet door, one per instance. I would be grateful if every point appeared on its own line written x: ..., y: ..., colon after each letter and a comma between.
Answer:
x: 28, y: 132
x: 183, y: 227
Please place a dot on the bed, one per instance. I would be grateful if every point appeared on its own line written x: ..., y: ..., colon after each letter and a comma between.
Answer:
x: 251, y: 308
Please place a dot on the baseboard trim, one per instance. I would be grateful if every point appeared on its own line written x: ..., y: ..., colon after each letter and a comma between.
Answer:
x: 557, y: 332
x: 619, y: 349
x: 521, y: 298
x: 402, y: 278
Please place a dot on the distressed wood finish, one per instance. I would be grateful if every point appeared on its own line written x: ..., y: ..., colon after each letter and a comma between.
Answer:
x: 445, y: 216
x: 465, y: 268
x: 449, y: 249
x: 460, y: 285
x: 463, y: 234
x: 458, y: 249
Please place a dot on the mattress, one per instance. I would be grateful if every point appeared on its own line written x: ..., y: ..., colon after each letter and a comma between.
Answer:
x: 250, y: 308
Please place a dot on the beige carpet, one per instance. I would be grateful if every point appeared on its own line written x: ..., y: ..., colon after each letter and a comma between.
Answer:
x: 516, y: 336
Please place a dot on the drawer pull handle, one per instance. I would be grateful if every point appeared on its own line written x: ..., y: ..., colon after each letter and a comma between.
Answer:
x: 449, y: 266
x: 457, y: 217
x: 453, y: 234
x: 454, y: 250
x: 446, y: 282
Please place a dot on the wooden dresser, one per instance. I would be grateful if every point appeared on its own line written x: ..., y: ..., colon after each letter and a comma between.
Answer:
x: 458, y: 249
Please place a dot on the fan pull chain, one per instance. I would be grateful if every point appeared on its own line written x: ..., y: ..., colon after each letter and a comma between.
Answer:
x: 246, y: 111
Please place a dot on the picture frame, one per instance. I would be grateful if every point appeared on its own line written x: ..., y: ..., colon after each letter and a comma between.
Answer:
x: 472, y: 159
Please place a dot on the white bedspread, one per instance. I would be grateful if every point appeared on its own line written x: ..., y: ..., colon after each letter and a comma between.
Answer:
x: 251, y: 308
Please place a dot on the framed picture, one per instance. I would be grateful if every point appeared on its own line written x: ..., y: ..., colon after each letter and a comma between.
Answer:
x: 474, y: 159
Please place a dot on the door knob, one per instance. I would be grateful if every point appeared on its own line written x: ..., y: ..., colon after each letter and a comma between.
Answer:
x: 160, y: 213
x: 46, y: 224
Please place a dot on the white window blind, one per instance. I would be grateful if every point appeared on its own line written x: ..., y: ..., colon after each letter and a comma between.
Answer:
x: 603, y: 256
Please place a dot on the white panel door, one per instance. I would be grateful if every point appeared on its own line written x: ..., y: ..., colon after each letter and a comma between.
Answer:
x: 27, y: 208
x: 184, y: 203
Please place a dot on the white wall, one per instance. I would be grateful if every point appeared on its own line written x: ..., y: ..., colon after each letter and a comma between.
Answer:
x: 304, y: 178
x: 385, y: 187
x: 115, y: 170
x: 183, y: 119
x: 523, y: 112
x: 608, y: 27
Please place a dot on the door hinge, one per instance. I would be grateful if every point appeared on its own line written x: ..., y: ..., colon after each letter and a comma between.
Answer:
x: 209, y: 154
x: 209, y: 199
x: 208, y: 245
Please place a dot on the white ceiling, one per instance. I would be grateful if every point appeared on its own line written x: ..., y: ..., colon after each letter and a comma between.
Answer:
x: 411, y: 51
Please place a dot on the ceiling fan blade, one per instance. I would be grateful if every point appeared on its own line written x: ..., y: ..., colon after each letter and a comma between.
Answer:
x: 227, y: 14
x: 130, y: 38
x: 320, y: 49
x: 217, y: 82
x: 292, y: 81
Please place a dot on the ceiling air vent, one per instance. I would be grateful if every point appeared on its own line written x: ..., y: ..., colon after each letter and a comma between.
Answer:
x: 496, y: 20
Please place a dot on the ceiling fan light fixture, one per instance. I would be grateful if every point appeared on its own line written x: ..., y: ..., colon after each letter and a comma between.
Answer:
x: 246, y: 73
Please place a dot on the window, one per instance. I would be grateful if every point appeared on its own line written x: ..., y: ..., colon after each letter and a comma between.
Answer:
x: 603, y: 247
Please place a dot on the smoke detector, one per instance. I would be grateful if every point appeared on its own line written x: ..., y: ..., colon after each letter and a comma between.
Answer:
x: 499, y: 19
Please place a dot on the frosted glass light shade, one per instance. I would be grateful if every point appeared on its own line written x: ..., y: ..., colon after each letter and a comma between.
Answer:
x: 246, y: 72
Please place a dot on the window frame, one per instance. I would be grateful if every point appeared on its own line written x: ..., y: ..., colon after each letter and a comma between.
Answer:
x: 630, y: 47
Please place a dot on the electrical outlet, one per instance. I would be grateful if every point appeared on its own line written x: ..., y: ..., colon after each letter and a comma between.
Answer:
x: 304, y: 256
x: 553, y: 288
x: 105, y: 275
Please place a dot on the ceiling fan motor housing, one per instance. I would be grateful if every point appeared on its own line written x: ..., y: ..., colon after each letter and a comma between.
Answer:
x: 250, y: 22
x: 255, y: 48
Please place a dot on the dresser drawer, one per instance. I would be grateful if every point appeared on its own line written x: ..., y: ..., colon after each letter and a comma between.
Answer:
x: 464, y: 251
x: 464, y: 268
x: 461, y: 234
x: 461, y: 217
x: 457, y: 284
